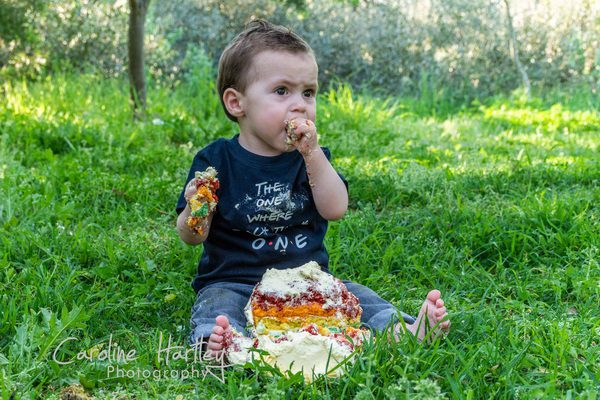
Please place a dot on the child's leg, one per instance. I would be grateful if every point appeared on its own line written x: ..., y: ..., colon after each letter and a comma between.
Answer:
x: 377, y: 313
x: 219, y: 299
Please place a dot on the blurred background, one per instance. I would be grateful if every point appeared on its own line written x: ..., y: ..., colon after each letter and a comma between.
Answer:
x: 456, y: 50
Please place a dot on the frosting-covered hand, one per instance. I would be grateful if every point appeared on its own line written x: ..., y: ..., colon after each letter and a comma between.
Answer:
x: 202, y: 199
x: 302, y: 134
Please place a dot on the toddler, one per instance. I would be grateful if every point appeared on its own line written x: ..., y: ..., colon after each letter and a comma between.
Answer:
x: 276, y: 192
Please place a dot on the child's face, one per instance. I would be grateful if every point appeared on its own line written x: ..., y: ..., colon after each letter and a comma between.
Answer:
x: 283, y: 86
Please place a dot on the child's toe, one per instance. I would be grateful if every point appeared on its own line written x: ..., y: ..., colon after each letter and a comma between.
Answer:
x: 434, y: 295
x: 222, y: 321
x: 216, y: 338
x: 215, y: 346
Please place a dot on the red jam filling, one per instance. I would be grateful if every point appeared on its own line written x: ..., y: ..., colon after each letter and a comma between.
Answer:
x: 342, y: 299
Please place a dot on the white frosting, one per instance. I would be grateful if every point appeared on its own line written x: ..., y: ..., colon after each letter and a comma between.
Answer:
x: 209, y: 173
x: 295, y: 281
x: 311, y: 354
x: 249, y: 314
x: 305, y: 352
x: 241, y: 356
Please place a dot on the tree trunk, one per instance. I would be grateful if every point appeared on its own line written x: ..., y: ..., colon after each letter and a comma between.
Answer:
x: 135, y: 47
x: 515, y: 51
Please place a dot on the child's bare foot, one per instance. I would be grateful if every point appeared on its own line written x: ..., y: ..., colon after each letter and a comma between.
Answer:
x: 432, y: 312
x: 214, y: 348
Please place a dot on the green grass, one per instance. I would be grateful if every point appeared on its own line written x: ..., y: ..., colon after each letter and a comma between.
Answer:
x: 497, y: 205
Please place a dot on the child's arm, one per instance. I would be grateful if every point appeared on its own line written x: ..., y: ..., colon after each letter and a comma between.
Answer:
x: 329, y: 191
x: 186, y: 234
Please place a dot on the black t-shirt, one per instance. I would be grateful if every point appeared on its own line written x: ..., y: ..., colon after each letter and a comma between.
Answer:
x: 266, y: 216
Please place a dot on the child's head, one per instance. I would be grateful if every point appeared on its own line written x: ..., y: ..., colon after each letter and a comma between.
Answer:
x: 236, y: 62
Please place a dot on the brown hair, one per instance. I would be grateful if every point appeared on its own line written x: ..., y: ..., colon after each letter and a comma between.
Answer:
x: 236, y: 60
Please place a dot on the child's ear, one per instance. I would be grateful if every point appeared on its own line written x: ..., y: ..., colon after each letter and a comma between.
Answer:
x: 233, y: 102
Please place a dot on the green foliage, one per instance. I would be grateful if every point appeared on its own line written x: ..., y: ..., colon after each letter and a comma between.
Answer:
x: 449, y: 52
x: 17, y: 19
x: 495, y: 204
x: 443, y: 53
x: 19, y: 38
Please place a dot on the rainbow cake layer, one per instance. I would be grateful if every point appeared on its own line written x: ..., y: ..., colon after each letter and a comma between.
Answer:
x: 304, y: 319
x: 289, y: 299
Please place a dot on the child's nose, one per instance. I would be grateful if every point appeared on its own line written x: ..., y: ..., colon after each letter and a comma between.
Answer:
x: 298, y: 104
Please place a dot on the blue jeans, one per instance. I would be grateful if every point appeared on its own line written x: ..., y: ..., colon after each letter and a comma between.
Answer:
x: 229, y: 299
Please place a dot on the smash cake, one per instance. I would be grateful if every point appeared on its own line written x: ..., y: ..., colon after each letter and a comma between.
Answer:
x: 303, y: 319
x: 290, y: 130
x: 204, y: 201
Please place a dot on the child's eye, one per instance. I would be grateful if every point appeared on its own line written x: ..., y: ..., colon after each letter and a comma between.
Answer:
x: 309, y: 93
x: 281, y: 91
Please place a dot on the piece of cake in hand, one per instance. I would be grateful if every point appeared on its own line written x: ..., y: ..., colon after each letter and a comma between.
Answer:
x: 293, y: 135
x: 204, y: 201
x: 290, y: 130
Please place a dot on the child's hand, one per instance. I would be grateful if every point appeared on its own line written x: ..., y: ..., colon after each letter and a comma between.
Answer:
x: 200, y: 195
x: 302, y: 134
x: 190, y: 190
x: 195, y: 224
